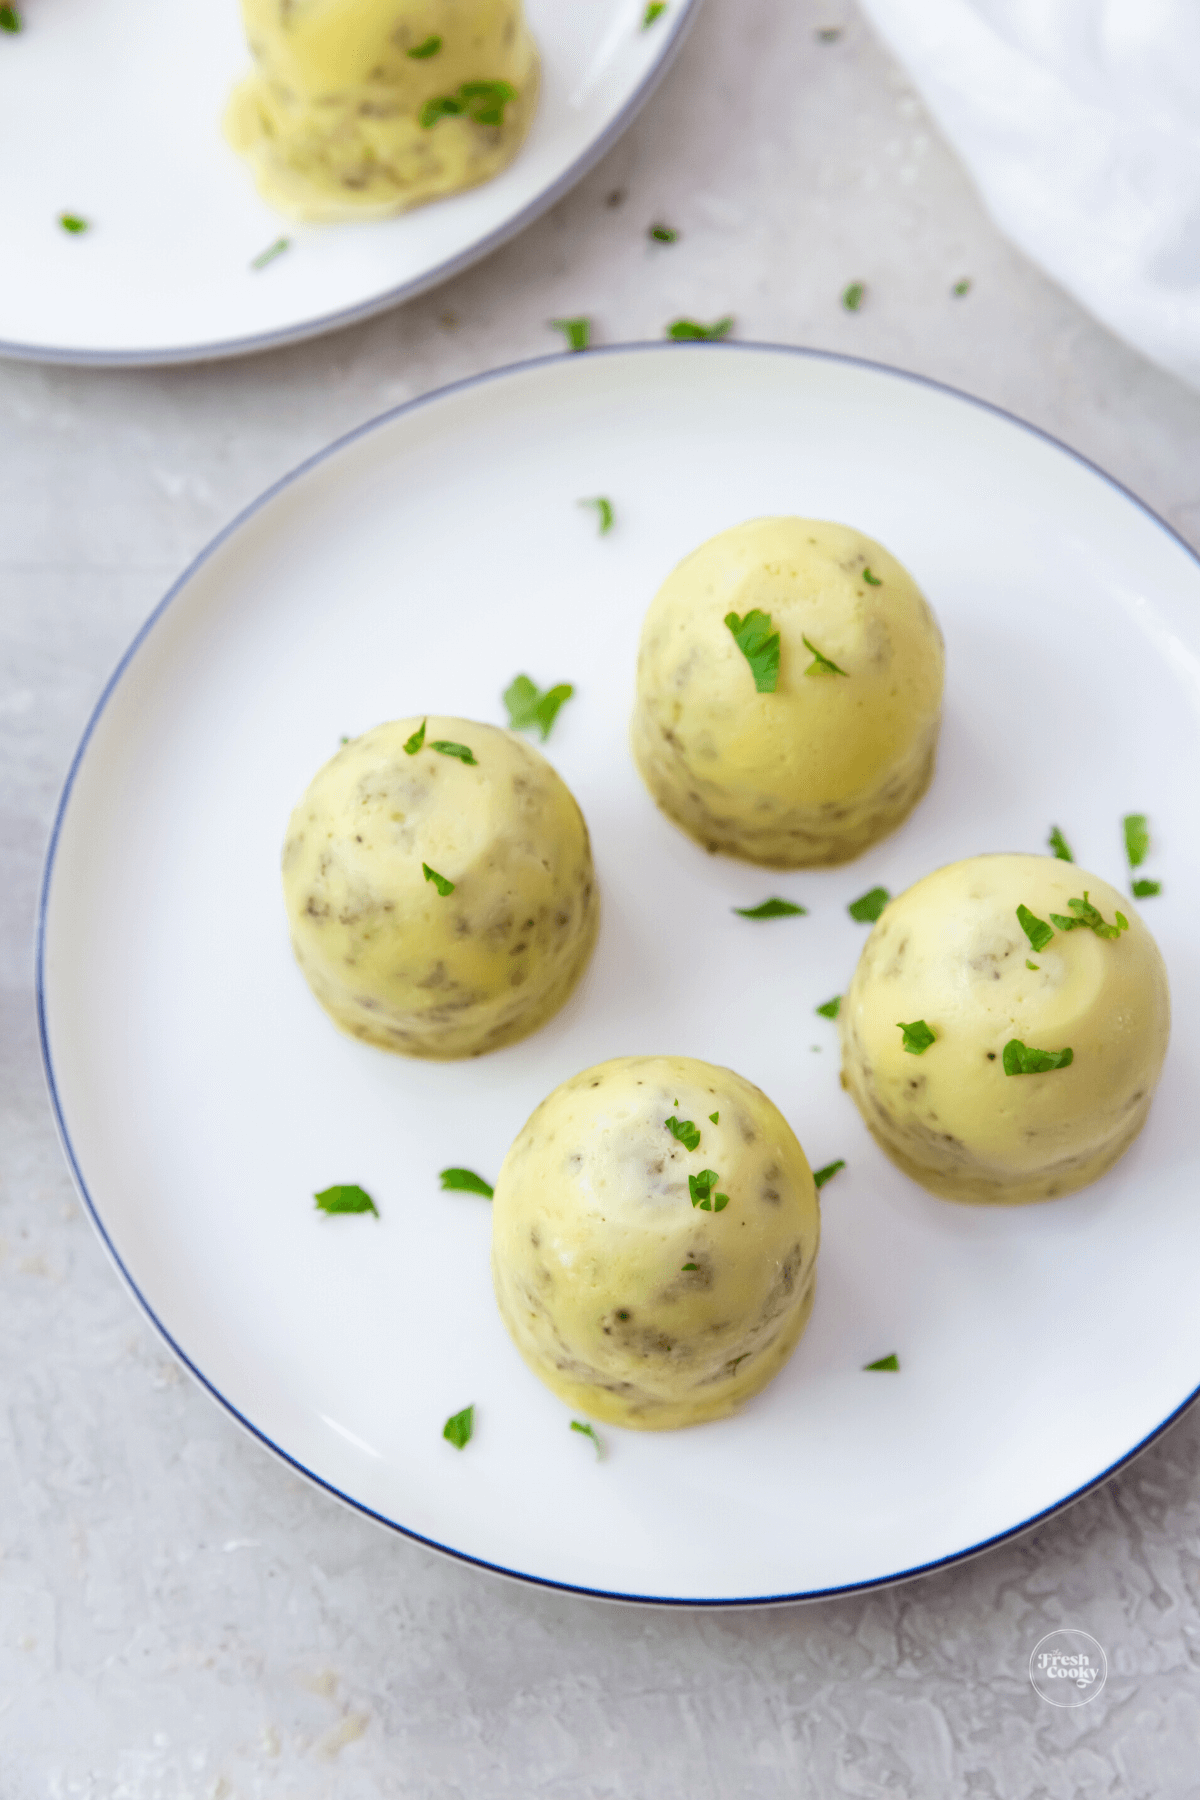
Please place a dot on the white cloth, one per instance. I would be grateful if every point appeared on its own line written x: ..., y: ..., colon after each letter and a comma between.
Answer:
x: 1079, y: 122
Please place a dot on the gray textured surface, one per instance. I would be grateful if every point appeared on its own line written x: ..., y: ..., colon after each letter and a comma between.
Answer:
x: 179, y: 1616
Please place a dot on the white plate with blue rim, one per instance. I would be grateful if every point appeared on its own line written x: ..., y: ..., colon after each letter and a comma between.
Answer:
x: 175, y: 263
x: 204, y: 1098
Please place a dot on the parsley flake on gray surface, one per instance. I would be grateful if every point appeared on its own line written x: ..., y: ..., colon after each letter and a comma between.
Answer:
x: 891, y: 1363
x: 1146, y: 890
x: 578, y: 332
x: 346, y: 1198
x: 529, y: 708
x: 458, y: 1428
x: 413, y: 744
x: 960, y: 288
x: 1035, y: 929
x: 420, y: 52
x: 827, y: 34
x: 867, y: 908
x: 10, y: 19
x: 663, y: 234
x: 821, y: 1176
x: 1087, y: 917
x: 759, y: 645
x: 692, y: 331
x: 270, y: 253
x: 701, y: 1186
x: 917, y: 1036
x: 852, y: 297
x: 1059, y: 845
x: 770, y: 909
x: 831, y: 1008
x: 821, y: 664
x: 654, y: 11
x: 871, y: 580
x: 465, y: 1181
x: 445, y: 747
x: 444, y: 887
x: 684, y: 1131
x: 604, y: 510
x: 588, y: 1431
x: 1021, y: 1059
x: 1137, y: 839
x: 72, y: 223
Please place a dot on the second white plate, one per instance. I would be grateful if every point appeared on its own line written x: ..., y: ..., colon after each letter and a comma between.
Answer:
x: 204, y: 1097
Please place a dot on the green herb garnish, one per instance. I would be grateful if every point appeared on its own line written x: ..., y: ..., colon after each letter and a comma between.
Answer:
x: 827, y: 34
x: 445, y: 747
x: 759, y: 645
x: 458, y: 1428
x: 831, y: 1008
x: 413, y: 744
x: 689, y: 1268
x: 917, y: 1036
x: 270, y: 253
x: 867, y: 908
x: 578, y: 332
x: 485, y: 101
x: 715, y: 1117
x: 430, y: 47
x: 10, y: 19
x: 1059, y: 845
x: 663, y: 234
x: 588, y: 1431
x: 960, y: 288
x: 605, y: 509
x: 1032, y: 965
x: 701, y: 1186
x: 1019, y: 1059
x: 443, y: 886
x: 1146, y: 890
x: 1087, y: 916
x: 821, y: 1176
x: 769, y: 909
x: 654, y: 11
x: 465, y: 1181
x: 871, y: 580
x: 1137, y: 839
x: 73, y: 223
x: 891, y: 1363
x: 852, y: 297
x: 1035, y: 929
x: 687, y: 330
x: 528, y: 707
x: 684, y: 1131
x: 821, y: 665
x: 345, y: 1199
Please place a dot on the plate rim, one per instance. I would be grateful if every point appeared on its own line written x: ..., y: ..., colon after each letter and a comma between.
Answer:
x: 217, y: 351
x: 742, y: 346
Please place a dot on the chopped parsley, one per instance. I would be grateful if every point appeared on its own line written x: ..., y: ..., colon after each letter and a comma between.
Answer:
x: 1146, y: 890
x: 687, y: 330
x: 445, y: 747
x: 1137, y: 838
x: 1089, y: 918
x: 1035, y: 929
x: 654, y: 11
x: 689, y: 1268
x: 578, y: 332
x: 604, y: 509
x: 484, y: 101
x: 10, y: 19
x: 960, y: 288
x: 852, y: 297
x: 821, y: 1176
x: 715, y: 1117
x: 589, y: 1431
x: 684, y: 1131
x: 891, y: 1363
x: 530, y: 708
x: 821, y: 665
x: 769, y: 909
x: 917, y: 1036
x: 663, y: 234
x: 465, y: 1181
x: 345, y: 1199
x: 420, y: 52
x: 759, y: 645
x: 73, y: 223
x: 1032, y: 965
x: 1059, y: 845
x: 867, y: 908
x: 871, y: 580
x: 443, y: 886
x: 831, y: 1008
x: 413, y: 744
x: 270, y: 253
x: 701, y: 1186
x: 458, y: 1428
x: 1020, y: 1059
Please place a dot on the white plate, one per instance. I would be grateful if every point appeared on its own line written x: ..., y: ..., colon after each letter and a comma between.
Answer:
x: 203, y: 1096
x: 111, y: 109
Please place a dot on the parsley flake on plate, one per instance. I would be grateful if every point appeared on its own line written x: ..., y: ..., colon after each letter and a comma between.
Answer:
x: 604, y: 509
x: 445, y: 747
x: 10, y: 19
x: 1020, y: 1059
x: 1146, y: 890
x: 465, y: 1181
x: 1035, y: 929
x: 1137, y: 838
x: 1059, y: 845
x: 654, y: 11
x: 691, y: 331
x: 458, y: 1428
x: 413, y: 744
x: 420, y: 52
x: 852, y: 297
x: 530, y: 708
x: 770, y: 909
x: 270, y: 253
x: 867, y: 908
x: 71, y: 222
x: 578, y: 332
x: 701, y: 1186
x: 445, y: 888
x: 349, y: 1198
x: 821, y: 1176
x: 821, y: 664
x: 759, y: 645
x: 917, y: 1036
x: 831, y: 1008
x: 684, y: 1131
x: 589, y: 1431
x: 663, y: 234
x: 960, y: 288
x: 891, y: 1363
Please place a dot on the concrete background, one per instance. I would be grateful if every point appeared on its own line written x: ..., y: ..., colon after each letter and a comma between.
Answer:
x: 181, y: 1618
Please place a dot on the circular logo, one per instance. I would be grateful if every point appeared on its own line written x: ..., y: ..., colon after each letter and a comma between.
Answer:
x: 1068, y: 1668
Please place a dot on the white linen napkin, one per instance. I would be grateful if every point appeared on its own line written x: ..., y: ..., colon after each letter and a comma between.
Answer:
x: 1079, y: 121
